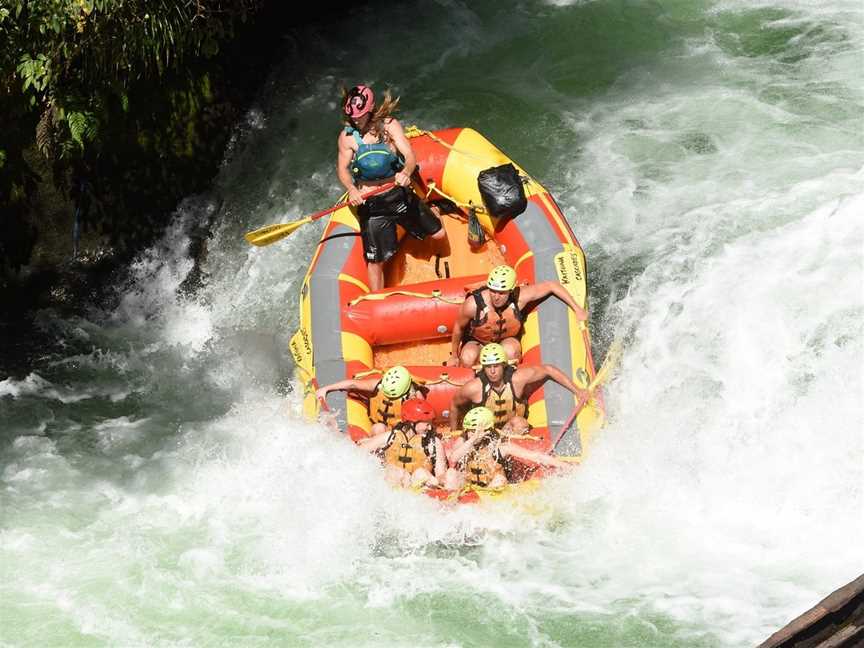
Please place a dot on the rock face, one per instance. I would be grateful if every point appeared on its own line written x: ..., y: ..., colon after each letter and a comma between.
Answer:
x: 835, y: 622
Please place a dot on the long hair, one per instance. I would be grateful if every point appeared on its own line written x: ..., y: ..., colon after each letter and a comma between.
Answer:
x: 384, y: 109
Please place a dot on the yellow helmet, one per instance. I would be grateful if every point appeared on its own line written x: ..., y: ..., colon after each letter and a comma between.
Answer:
x: 502, y: 278
x: 478, y: 418
x: 492, y: 354
x: 396, y: 382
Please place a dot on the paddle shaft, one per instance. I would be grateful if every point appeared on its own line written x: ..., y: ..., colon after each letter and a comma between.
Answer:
x: 582, y: 402
x: 599, y: 377
x: 272, y: 233
x: 340, y: 205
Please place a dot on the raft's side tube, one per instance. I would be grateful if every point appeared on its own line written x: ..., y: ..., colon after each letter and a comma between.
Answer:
x: 531, y: 243
x: 553, y: 336
x: 410, y: 313
x: 326, y: 300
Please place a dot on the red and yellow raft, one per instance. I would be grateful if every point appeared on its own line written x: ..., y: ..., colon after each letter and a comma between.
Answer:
x: 346, y: 331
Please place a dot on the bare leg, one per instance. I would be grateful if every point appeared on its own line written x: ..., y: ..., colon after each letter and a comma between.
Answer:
x: 441, y: 234
x: 469, y: 354
x: 513, y: 348
x: 376, y: 275
x: 516, y: 425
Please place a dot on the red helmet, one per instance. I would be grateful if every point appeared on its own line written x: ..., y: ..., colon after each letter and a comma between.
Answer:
x: 359, y: 101
x: 417, y: 409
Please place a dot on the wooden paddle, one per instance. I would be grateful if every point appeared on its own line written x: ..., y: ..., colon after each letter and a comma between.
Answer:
x: 272, y: 233
x: 611, y: 359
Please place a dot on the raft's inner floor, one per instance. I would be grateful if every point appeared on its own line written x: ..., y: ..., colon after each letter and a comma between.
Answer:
x: 415, y: 262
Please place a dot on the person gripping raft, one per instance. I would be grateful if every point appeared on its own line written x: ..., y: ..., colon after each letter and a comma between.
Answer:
x: 384, y: 397
x: 496, y: 313
x: 480, y: 459
x: 503, y: 389
x: 413, y: 454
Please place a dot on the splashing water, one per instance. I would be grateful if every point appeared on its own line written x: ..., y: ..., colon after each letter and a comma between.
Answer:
x: 159, y: 486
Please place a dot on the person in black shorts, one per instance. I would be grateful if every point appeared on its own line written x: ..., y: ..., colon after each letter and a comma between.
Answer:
x: 373, y: 150
x: 379, y: 216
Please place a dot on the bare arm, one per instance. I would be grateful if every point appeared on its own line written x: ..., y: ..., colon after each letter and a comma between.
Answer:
x: 542, y: 290
x: 375, y: 443
x: 518, y: 452
x: 540, y: 373
x: 440, y: 459
x: 343, y: 161
x: 457, y: 453
x: 466, y: 313
x: 394, y: 129
x: 461, y: 400
x: 366, y: 386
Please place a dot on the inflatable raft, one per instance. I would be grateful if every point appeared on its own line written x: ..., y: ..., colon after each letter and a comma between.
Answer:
x: 347, y: 331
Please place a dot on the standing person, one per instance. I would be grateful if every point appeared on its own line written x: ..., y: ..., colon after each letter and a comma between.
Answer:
x: 413, y: 454
x: 505, y: 389
x: 496, y: 312
x: 373, y: 150
x: 384, y: 397
x: 481, y: 457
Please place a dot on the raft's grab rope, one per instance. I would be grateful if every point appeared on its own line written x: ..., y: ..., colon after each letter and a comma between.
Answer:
x: 435, y: 294
x: 442, y: 378
x: 445, y: 378
x: 414, y: 131
x: 507, y: 435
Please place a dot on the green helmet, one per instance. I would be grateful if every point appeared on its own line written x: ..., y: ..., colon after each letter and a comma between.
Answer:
x: 478, y: 418
x: 492, y: 354
x: 396, y: 382
x: 502, y: 278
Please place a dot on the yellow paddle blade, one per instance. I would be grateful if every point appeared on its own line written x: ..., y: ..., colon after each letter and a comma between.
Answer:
x: 272, y: 233
x: 609, y: 362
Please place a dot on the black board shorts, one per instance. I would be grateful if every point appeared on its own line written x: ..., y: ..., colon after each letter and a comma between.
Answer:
x: 378, y: 218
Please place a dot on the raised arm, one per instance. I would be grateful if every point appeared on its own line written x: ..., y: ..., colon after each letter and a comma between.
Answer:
x: 464, y: 447
x: 366, y: 386
x: 440, y: 460
x: 542, y: 290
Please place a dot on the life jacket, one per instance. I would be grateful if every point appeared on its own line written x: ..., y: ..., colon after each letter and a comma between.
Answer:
x: 385, y: 410
x: 373, y: 161
x: 405, y: 449
x: 504, y: 404
x: 491, y: 325
x: 485, y: 462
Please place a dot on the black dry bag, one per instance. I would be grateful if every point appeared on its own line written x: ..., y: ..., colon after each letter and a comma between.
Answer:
x: 502, y: 191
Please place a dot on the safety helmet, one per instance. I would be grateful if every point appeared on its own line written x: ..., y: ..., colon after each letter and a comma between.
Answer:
x: 502, y: 278
x: 396, y: 382
x: 359, y: 101
x: 417, y: 409
x: 478, y: 418
x: 492, y: 354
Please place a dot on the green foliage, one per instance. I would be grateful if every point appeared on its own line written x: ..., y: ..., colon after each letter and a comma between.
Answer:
x: 77, y: 75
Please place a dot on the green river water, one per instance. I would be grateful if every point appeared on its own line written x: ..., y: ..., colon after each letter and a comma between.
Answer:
x: 158, y: 486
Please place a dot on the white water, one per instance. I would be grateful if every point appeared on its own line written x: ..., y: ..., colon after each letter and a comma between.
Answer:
x: 160, y: 489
